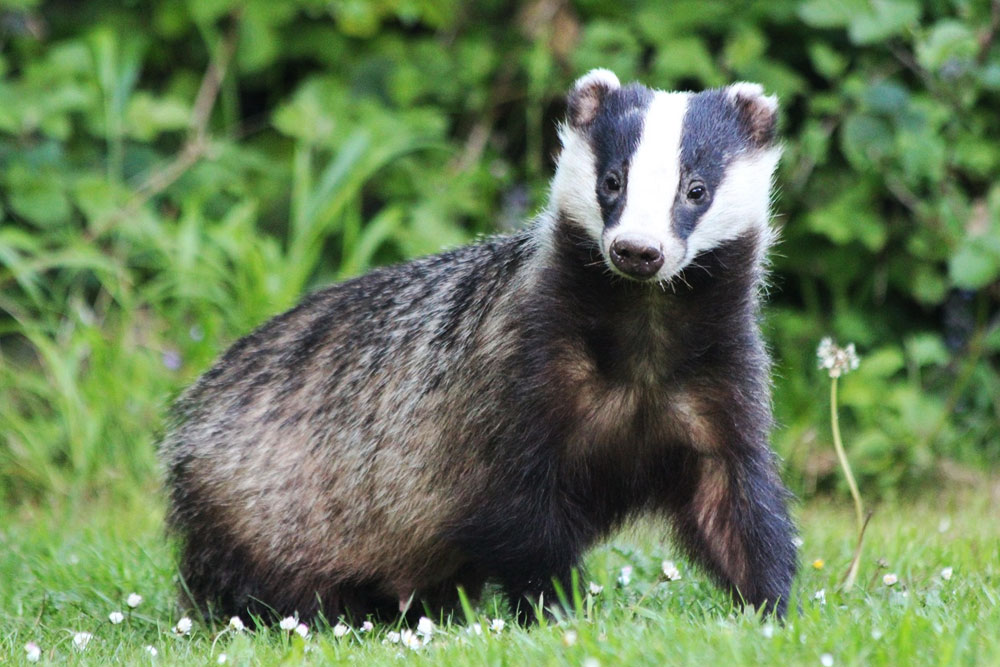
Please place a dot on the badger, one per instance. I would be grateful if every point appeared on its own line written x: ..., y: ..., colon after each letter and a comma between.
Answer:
x: 486, y: 414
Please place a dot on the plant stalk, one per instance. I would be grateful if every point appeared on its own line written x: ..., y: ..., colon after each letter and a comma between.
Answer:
x: 859, y: 511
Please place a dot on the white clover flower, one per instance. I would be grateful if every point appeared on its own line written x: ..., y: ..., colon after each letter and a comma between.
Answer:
x: 820, y: 596
x: 625, y: 577
x: 425, y: 627
x: 595, y: 588
x: 767, y: 631
x: 34, y: 652
x: 393, y: 637
x: 288, y: 623
x: 302, y: 630
x: 183, y: 626
x: 410, y: 639
x: 367, y: 626
x: 826, y: 660
x: 116, y: 617
x: 236, y: 623
x: 81, y: 639
x: 474, y: 629
x: 497, y: 625
x: 837, y: 360
x: 797, y: 542
x: 222, y: 659
x: 591, y: 662
x: 569, y: 637
x: 151, y: 650
x: 133, y: 600
x: 340, y: 630
x: 876, y: 634
x: 890, y: 579
x: 670, y: 571
x: 946, y: 573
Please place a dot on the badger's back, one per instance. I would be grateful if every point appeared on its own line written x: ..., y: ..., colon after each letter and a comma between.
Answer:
x: 331, y: 444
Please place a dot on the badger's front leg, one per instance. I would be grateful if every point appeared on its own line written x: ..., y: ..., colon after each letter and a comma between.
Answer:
x: 730, y: 508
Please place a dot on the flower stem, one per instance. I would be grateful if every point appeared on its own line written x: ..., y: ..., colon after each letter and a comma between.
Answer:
x: 858, y: 507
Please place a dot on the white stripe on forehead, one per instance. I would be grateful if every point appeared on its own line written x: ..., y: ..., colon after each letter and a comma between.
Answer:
x: 654, y: 171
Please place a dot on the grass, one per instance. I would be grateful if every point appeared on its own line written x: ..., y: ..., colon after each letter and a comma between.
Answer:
x: 63, y: 569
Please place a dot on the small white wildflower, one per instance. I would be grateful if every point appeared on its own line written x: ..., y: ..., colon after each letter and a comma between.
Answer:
x: 288, y: 623
x: 626, y: 575
x: 591, y: 662
x: 595, y: 588
x: 33, y: 651
x: 236, y: 623
x: 410, y: 639
x: 767, y: 631
x: 569, y: 637
x: 826, y: 660
x: 116, y: 617
x: 820, y: 596
x: 946, y: 573
x: 81, y: 639
x: 151, y: 650
x: 670, y: 571
x: 222, y: 659
x: 876, y: 634
x: 497, y: 624
x: 302, y: 630
x: 890, y: 579
x: 393, y: 637
x: 835, y: 359
x: 425, y: 627
x: 340, y: 630
x: 944, y: 524
x: 797, y: 542
x: 133, y: 600
x: 183, y: 626
x: 367, y: 626
x: 474, y: 629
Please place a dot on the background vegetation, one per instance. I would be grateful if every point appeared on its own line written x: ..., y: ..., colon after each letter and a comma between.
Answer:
x: 173, y: 173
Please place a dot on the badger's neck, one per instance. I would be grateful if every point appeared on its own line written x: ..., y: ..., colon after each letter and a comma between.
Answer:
x: 633, y: 328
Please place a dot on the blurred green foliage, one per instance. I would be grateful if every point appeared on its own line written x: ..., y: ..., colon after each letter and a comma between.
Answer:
x: 173, y: 173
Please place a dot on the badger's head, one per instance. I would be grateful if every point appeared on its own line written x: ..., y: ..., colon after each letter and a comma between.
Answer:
x: 656, y: 178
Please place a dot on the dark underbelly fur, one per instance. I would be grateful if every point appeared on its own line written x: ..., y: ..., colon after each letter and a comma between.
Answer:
x: 548, y: 498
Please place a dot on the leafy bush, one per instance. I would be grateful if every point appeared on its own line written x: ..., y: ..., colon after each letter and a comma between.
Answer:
x: 171, y: 174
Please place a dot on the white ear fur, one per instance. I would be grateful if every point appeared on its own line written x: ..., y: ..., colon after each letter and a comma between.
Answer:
x: 760, y: 111
x: 585, y: 98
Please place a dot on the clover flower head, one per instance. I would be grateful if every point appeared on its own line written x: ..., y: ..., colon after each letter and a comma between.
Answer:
x: 497, y: 625
x: 835, y: 359
x: 625, y: 577
x: 595, y: 588
x: 425, y: 627
x: 33, y: 651
x: 81, y: 639
x: 367, y: 626
x: 569, y: 637
x: 236, y: 623
x: 670, y: 571
x: 288, y: 623
x: 393, y: 637
x: 116, y: 617
x: 302, y: 630
x: 340, y: 630
x: 222, y: 659
x: 151, y: 650
x: 183, y: 626
x: 826, y: 660
x: 820, y: 596
x: 946, y: 573
x: 133, y: 600
x: 890, y: 579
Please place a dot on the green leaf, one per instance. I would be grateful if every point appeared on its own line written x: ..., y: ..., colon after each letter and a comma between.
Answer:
x: 976, y: 264
x: 850, y: 216
x: 883, y: 19
x: 831, y: 13
x: 948, y: 41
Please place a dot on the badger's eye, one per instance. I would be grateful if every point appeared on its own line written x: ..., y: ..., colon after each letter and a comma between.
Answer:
x: 697, y: 192
x: 612, y: 183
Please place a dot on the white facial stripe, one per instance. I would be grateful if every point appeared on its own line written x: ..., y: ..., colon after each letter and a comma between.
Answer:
x: 741, y: 203
x: 653, y: 175
x: 573, y: 186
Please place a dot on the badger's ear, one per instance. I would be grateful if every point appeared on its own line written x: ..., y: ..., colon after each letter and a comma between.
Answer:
x: 758, y: 112
x: 587, y: 95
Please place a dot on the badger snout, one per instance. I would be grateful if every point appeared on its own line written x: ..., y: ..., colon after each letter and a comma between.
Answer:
x: 636, y: 256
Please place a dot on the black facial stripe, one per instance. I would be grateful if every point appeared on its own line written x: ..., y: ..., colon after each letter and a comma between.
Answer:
x: 614, y: 138
x: 711, y: 137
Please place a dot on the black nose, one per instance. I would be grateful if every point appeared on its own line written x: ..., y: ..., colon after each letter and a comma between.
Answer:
x: 636, y: 256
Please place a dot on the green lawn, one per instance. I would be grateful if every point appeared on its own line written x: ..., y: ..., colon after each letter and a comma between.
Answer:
x: 64, y: 570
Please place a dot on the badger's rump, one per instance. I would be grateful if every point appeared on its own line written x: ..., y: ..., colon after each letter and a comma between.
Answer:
x: 322, y: 455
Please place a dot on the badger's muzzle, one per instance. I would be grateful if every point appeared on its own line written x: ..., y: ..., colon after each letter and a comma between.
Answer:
x: 636, y: 256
